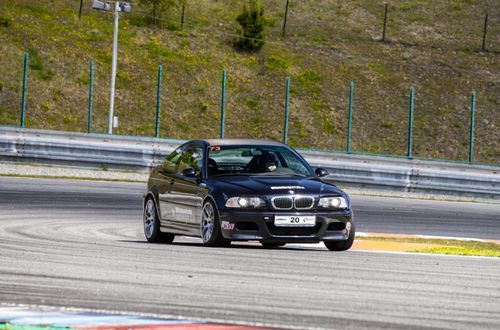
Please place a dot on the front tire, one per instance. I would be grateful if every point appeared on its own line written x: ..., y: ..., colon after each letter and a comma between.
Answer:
x: 151, y: 224
x: 342, y: 245
x: 210, y: 230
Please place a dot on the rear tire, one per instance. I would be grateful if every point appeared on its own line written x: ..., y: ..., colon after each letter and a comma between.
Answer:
x: 210, y: 230
x: 342, y: 245
x: 151, y: 224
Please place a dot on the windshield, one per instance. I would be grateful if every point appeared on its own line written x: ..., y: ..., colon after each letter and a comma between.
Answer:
x: 224, y: 160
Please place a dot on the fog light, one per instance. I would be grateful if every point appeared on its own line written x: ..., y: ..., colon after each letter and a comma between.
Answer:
x: 348, y: 228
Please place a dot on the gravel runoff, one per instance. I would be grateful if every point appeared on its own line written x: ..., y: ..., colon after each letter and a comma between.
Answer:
x: 70, y: 172
x: 35, y: 170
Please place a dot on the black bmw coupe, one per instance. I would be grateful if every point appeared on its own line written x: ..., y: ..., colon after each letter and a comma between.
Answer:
x: 245, y: 190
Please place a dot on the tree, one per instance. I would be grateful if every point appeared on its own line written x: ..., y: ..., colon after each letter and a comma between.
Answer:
x: 252, y: 26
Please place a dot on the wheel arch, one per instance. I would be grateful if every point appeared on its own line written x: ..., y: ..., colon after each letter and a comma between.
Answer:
x: 214, y: 201
x: 153, y: 193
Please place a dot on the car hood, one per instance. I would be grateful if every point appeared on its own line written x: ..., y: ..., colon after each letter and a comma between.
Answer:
x: 273, y: 185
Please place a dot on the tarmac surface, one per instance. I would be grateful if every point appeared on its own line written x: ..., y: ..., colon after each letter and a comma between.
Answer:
x: 80, y: 244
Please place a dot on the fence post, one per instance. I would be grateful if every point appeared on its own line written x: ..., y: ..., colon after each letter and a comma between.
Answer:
x: 91, y: 89
x: 284, y: 21
x: 158, y: 100
x: 472, y: 123
x: 25, y: 87
x: 223, y: 104
x: 349, y: 120
x: 182, y: 15
x: 386, y: 5
x: 287, y: 101
x: 484, y: 31
x: 80, y: 11
x: 410, y: 122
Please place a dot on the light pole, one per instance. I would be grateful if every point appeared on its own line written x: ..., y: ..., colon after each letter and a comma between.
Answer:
x: 119, y: 6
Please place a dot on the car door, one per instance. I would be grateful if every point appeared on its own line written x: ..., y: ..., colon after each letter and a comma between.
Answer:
x: 165, y: 184
x: 186, y: 192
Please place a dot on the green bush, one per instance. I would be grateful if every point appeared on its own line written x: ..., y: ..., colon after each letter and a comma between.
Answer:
x: 5, y: 21
x: 141, y: 20
x: 171, y: 26
x: 157, y: 6
x: 94, y: 35
x: 277, y: 63
x: 35, y: 60
x: 252, y: 26
x: 36, y: 63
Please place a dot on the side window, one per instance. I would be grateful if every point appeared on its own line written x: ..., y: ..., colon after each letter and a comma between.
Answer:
x: 192, y: 156
x: 171, y: 161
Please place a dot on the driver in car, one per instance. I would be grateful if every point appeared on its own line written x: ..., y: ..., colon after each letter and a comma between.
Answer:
x: 271, y: 166
x: 270, y: 163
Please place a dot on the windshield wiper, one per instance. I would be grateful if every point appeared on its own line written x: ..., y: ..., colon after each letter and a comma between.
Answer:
x: 230, y: 174
x: 287, y: 174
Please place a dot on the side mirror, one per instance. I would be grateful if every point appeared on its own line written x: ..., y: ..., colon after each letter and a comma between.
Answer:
x: 190, y: 173
x: 321, y: 172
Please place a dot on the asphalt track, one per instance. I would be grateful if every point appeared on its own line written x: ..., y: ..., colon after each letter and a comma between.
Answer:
x: 79, y: 244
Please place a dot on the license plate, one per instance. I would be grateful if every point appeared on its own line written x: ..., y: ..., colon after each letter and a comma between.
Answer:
x: 294, y: 221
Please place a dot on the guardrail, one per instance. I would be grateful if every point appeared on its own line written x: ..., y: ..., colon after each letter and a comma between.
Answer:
x: 372, y: 172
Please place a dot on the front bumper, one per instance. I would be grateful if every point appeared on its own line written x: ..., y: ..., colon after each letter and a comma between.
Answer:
x: 238, y: 225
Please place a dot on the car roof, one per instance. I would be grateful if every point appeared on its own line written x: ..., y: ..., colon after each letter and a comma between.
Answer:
x: 249, y: 142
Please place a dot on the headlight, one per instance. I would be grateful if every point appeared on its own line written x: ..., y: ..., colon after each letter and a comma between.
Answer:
x: 244, y: 202
x: 333, y: 203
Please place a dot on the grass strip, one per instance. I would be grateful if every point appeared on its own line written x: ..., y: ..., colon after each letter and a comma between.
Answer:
x: 463, y: 251
x: 7, y: 326
x: 443, y: 246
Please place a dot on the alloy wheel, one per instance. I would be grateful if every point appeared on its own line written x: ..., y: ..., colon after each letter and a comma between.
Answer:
x: 149, y: 218
x: 207, y: 222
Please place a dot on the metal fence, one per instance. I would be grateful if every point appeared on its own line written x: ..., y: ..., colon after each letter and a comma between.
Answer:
x: 286, y: 93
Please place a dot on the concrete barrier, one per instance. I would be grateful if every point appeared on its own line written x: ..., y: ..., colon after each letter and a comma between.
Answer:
x: 371, y: 172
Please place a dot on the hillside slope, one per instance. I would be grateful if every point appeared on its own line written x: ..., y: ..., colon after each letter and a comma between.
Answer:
x: 431, y: 45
